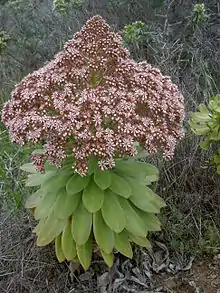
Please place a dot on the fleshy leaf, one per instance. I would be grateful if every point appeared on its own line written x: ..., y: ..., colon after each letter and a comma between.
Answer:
x: 58, y: 249
x: 103, y: 234
x: 142, y: 172
x: 102, y: 178
x: 122, y: 244
x: 84, y: 253
x: 66, y: 204
x: 81, y: 224
x: 34, y: 199
x: 134, y: 223
x: 29, y: 167
x: 49, y: 229
x: 108, y: 258
x: 112, y: 212
x: 92, y: 165
x: 38, y: 178
x: 120, y: 186
x: 93, y: 197
x: 142, y: 241
x: 77, y: 183
x: 144, y: 198
x: 68, y: 244
x: 151, y: 221
x: 60, y: 180
x: 45, y: 206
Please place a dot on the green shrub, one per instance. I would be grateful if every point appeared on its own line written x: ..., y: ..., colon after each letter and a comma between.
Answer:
x: 4, y: 38
x: 206, y: 123
x: 64, y: 5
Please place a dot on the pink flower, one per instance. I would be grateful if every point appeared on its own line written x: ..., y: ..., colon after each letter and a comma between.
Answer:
x: 94, y: 100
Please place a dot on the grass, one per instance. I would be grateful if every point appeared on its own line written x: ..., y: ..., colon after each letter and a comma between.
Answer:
x: 188, y: 183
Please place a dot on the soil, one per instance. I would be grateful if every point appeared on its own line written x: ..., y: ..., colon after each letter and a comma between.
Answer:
x: 204, y: 277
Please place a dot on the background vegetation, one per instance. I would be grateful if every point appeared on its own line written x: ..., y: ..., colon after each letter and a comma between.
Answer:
x: 180, y: 37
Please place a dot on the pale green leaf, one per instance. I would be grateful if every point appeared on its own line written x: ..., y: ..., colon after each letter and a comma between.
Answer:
x: 29, y: 167
x: 144, y: 198
x: 108, y: 258
x: 151, y: 221
x: 142, y: 172
x: 58, y: 249
x: 84, y: 253
x: 77, y: 183
x: 60, y: 180
x: 48, y: 229
x: 38, y: 152
x: 34, y: 199
x: 122, y: 244
x: 93, y: 197
x: 102, y: 178
x: 141, y: 241
x: 66, y: 203
x: 68, y: 244
x: 81, y: 224
x: 112, y: 212
x: 39, y: 178
x: 134, y: 223
x: 120, y: 186
x: 45, y: 205
x: 92, y: 165
x: 103, y: 234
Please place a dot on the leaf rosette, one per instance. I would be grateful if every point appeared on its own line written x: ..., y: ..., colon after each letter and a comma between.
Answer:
x: 111, y: 208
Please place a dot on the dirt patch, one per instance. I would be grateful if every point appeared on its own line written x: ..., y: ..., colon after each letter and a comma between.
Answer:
x: 204, y: 277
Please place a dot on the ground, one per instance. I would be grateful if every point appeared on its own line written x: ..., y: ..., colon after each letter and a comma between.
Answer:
x: 24, y: 268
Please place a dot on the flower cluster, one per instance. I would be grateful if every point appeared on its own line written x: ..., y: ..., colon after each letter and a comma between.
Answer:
x: 93, y: 100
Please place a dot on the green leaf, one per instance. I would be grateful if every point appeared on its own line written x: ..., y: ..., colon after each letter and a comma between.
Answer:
x: 60, y: 180
x: 69, y: 160
x: 93, y: 197
x: 108, y: 258
x: 216, y: 159
x: 142, y: 172
x: 142, y: 154
x: 39, y: 226
x: 102, y: 178
x: 45, y: 206
x: 58, y: 249
x: 38, y: 152
x: 39, y: 178
x: 66, y: 204
x: 29, y: 167
x: 142, y: 241
x: 50, y: 167
x: 112, y: 212
x: 34, y: 199
x: 81, y: 224
x: 205, y: 144
x: 151, y: 221
x: 84, y: 253
x: 120, y: 186
x: 144, y: 198
x: 68, y: 244
x: 48, y: 229
x: 93, y: 162
x: 77, y: 183
x: 103, y: 234
x: 134, y: 223
x: 122, y: 244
